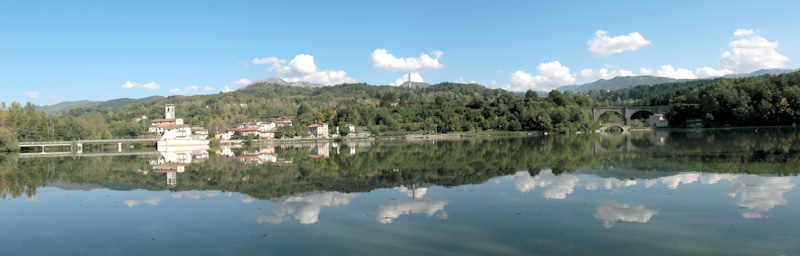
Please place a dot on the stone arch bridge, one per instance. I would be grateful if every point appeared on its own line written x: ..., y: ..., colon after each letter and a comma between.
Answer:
x: 627, y: 112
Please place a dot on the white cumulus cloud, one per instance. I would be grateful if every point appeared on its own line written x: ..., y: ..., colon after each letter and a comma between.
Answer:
x: 383, y: 60
x: 603, y: 46
x: 32, y: 95
x: 243, y: 82
x: 742, y: 32
x: 186, y: 90
x: 705, y: 72
x: 415, y: 77
x: 226, y: 89
x: 268, y: 60
x: 603, y: 73
x: 551, y: 75
x: 302, y: 68
x: 209, y: 89
x: 680, y: 73
x: 148, y: 86
x: 752, y: 53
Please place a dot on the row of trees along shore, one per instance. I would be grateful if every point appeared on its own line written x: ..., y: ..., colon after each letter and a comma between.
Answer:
x: 445, y: 107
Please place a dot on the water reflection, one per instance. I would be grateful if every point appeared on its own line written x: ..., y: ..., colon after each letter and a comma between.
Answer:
x: 175, y: 159
x: 390, y: 211
x: 414, y: 191
x: 151, y: 200
x: 755, y: 195
x: 558, y: 165
x: 306, y: 209
x: 611, y: 212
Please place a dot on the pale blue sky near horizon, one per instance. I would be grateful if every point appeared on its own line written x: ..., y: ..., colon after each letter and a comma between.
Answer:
x: 55, y: 51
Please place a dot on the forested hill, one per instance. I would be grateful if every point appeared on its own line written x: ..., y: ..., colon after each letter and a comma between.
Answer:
x: 749, y: 101
x: 617, y: 83
x: 623, y: 82
x: 69, y: 105
x: 444, y: 107
x: 640, y: 95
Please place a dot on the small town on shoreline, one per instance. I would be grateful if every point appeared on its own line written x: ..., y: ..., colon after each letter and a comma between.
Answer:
x: 173, y: 128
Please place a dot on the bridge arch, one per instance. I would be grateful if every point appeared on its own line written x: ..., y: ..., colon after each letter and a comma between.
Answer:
x: 605, y: 127
x: 627, y: 112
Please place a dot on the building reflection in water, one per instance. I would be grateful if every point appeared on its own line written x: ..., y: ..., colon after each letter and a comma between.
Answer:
x: 264, y: 155
x: 175, y: 161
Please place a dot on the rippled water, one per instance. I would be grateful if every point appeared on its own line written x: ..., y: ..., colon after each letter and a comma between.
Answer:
x: 724, y: 192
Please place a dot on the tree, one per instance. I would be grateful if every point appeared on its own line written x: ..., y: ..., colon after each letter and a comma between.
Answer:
x: 344, y: 130
x: 304, y: 108
x: 8, y: 141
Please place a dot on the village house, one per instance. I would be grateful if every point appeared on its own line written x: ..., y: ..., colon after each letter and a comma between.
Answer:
x: 169, y: 119
x: 225, y: 134
x: 283, y: 121
x: 140, y: 118
x: 175, y: 131
x: 200, y: 132
x: 248, y: 131
x: 318, y: 130
x: 257, y: 131
x: 351, y: 128
x: 658, y: 121
x: 171, y: 128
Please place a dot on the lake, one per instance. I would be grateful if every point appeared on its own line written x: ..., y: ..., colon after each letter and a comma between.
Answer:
x: 709, y: 192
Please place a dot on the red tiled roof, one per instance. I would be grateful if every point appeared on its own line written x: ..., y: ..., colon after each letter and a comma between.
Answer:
x: 248, y: 129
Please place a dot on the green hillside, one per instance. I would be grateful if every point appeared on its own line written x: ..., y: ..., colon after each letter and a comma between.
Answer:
x: 69, y: 105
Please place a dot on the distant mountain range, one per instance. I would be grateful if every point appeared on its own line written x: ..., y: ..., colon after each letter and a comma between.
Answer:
x: 278, y: 80
x: 622, y: 82
x: 773, y: 71
x: 619, y: 82
x: 68, y: 105
x: 602, y: 84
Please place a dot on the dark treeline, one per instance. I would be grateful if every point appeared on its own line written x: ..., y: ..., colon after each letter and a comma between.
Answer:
x: 642, y: 95
x: 751, y: 101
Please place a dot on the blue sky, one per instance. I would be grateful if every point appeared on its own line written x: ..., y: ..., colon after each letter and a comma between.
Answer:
x: 54, y: 51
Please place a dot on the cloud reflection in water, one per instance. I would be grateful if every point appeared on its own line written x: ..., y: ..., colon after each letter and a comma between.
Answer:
x: 306, y: 209
x: 390, y: 211
x: 755, y: 194
x: 151, y: 200
x: 611, y: 212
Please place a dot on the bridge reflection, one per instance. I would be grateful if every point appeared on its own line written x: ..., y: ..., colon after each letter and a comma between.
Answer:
x: 627, y: 142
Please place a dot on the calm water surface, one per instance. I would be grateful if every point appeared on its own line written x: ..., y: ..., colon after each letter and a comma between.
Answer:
x: 725, y: 192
